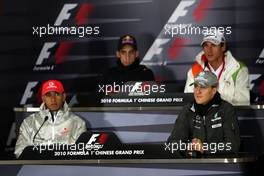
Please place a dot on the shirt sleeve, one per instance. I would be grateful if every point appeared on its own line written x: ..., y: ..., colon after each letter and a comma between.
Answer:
x: 242, y: 95
x: 23, y: 139
x: 180, y: 129
x: 231, y: 128
x: 190, y: 79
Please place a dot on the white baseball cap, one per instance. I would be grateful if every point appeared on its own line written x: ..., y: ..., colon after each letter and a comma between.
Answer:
x: 216, y: 37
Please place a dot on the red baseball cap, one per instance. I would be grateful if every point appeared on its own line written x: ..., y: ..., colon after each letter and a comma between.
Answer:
x: 52, y: 85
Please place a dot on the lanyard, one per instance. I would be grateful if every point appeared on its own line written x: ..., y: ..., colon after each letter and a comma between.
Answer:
x: 220, y: 71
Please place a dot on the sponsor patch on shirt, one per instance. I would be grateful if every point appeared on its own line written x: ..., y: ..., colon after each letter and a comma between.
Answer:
x: 197, y: 127
x: 217, y: 125
x: 65, y: 131
x: 216, y: 117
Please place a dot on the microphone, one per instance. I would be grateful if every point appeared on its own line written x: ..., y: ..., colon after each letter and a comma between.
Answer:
x: 46, y: 118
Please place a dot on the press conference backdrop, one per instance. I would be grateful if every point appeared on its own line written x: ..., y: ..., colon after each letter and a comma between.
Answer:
x: 33, y: 48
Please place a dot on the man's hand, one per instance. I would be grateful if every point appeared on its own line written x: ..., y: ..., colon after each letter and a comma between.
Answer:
x: 196, y: 145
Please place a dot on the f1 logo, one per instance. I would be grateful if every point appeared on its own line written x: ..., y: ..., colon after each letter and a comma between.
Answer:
x: 64, y: 47
x: 155, y: 49
x: 44, y: 54
x: 157, y: 46
x: 64, y: 15
x: 101, y: 138
x: 93, y: 138
x: 28, y: 92
x: 180, y: 11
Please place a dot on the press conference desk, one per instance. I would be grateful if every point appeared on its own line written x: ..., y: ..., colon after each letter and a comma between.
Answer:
x: 130, y: 167
x: 145, y: 125
x: 142, y: 124
x: 133, y: 161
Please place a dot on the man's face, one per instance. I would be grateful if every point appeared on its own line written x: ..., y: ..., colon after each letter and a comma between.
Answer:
x: 203, y: 95
x: 127, y: 55
x: 54, y: 100
x: 213, y: 52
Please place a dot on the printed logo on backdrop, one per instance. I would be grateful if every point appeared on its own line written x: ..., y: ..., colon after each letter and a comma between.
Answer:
x: 59, y: 50
x: 182, y: 29
x: 53, y: 53
x: 96, y: 141
x: 260, y: 60
x: 257, y: 82
x: 257, y: 88
x: 92, y: 148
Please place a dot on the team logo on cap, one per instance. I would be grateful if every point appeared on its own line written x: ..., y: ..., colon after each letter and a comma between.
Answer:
x: 127, y: 39
x: 51, y: 85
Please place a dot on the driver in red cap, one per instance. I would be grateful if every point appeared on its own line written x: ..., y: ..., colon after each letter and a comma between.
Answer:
x: 53, y: 123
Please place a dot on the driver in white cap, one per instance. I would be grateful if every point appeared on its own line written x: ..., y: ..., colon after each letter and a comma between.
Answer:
x: 232, y: 75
